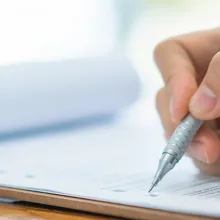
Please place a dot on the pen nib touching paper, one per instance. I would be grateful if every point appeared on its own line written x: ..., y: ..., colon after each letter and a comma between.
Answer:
x: 152, y: 186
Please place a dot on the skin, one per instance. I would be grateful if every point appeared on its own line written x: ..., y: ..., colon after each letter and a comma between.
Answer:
x: 190, y: 67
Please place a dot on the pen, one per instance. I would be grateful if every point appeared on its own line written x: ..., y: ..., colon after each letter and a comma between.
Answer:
x: 176, y: 147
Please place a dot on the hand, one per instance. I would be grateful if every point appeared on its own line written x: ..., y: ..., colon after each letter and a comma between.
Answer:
x: 190, y: 66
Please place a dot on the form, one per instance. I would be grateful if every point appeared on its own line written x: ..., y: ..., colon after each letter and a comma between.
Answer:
x: 113, y: 162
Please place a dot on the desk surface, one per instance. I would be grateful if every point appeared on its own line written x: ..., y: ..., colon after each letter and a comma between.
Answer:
x: 14, y: 211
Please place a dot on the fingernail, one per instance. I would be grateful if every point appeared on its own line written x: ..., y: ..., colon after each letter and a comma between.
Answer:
x: 171, y: 109
x: 203, y: 101
x: 197, y: 151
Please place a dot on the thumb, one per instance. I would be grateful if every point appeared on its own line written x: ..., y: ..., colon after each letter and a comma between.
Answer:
x: 205, y: 103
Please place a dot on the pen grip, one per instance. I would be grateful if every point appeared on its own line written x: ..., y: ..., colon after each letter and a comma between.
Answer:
x: 182, y: 136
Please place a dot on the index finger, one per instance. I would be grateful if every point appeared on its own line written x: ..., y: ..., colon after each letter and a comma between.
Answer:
x: 183, y: 61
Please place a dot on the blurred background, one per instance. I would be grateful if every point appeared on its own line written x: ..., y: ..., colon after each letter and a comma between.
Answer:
x: 57, y: 29
x: 48, y: 30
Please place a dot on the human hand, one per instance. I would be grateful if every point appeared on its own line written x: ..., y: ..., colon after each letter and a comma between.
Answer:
x: 190, y: 67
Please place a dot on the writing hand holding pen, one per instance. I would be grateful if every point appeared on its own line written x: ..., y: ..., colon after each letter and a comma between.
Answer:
x: 190, y: 67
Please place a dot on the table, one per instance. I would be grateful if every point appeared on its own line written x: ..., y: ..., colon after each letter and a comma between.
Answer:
x: 27, y: 211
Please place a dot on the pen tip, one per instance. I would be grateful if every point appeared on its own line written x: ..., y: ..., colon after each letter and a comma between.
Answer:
x: 151, y: 188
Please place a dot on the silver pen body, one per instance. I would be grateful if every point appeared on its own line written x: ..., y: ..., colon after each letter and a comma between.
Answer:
x: 176, y: 146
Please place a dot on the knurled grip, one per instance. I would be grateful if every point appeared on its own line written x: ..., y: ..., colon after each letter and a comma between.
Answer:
x: 182, y: 136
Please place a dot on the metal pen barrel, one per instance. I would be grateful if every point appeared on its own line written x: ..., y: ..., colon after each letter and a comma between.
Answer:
x: 182, y: 136
x: 176, y: 146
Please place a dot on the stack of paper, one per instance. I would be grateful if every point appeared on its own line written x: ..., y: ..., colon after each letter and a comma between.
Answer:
x: 36, y: 95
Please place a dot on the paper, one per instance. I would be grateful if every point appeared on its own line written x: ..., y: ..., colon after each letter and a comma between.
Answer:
x: 78, y: 91
x: 113, y: 162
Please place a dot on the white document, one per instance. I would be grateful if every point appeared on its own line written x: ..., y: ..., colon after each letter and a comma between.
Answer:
x: 44, y: 94
x: 112, y: 162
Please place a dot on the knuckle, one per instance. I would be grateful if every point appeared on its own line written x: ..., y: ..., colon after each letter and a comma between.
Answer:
x: 168, y: 81
x: 159, y: 97
x: 162, y: 48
